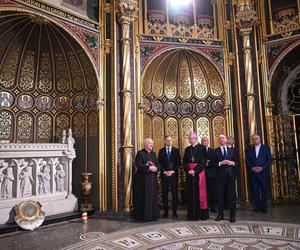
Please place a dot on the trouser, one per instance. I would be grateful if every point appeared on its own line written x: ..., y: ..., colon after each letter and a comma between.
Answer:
x: 259, y: 186
x: 226, y: 189
x: 211, y: 192
x: 166, y: 182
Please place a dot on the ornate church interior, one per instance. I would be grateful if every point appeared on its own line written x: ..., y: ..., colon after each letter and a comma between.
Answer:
x: 83, y: 83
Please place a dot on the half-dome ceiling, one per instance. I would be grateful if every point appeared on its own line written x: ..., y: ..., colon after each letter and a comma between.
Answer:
x: 33, y: 51
x: 182, y: 73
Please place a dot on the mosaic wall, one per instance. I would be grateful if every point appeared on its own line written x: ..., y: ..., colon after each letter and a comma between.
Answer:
x: 47, y: 82
x: 183, y: 92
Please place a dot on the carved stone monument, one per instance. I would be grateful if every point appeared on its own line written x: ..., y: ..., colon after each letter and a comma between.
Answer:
x: 40, y: 172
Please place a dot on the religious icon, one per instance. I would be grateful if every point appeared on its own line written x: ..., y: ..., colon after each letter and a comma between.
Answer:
x: 62, y: 103
x: 186, y: 108
x: 158, y: 107
x: 147, y: 104
x: 217, y: 105
x: 44, y: 103
x: 6, y: 99
x: 78, y: 102
x: 25, y: 102
x: 92, y: 99
x: 201, y: 107
x: 171, y: 108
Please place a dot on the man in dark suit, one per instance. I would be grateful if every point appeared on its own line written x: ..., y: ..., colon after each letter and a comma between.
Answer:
x: 225, y: 161
x: 169, y: 160
x: 258, y: 160
x: 210, y: 172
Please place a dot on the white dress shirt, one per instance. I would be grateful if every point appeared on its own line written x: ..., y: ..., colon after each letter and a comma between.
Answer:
x: 257, y: 148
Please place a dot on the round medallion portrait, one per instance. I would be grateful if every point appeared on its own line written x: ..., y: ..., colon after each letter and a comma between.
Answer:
x: 147, y: 104
x: 201, y: 107
x: 186, y: 108
x: 92, y: 99
x: 62, y: 103
x: 25, y: 101
x: 44, y: 103
x: 158, y: 107
x: 171, y: 108
x: 78, y: 101
x: 6, y: 100
x: 217, y: 105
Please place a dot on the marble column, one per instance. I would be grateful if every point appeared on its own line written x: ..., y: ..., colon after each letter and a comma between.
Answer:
x: 127, y: 12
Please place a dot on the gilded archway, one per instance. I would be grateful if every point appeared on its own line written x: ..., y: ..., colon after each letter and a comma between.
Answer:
x: 47, y: 84
x: 182, y: 92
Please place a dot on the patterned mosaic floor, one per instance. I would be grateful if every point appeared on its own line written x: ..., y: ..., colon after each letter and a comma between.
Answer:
x: 197, y: 235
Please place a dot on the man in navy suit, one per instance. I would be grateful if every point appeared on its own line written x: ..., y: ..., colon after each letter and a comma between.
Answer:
x: 258, y: 160
x: 169, y: 160
x: 225, y: 161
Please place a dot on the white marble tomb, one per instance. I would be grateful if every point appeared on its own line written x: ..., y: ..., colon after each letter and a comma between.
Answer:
x: 37, y: 171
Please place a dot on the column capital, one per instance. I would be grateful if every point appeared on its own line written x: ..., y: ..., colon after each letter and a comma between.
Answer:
x: 127, y: 10
x: 245, y: 16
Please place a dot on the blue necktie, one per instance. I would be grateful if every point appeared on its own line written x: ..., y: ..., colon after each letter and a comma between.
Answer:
x: 168, y: 153
x: 225, y: 153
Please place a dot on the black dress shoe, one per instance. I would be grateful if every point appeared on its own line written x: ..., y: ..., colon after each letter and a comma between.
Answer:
x: 232, y: 219
x: 175, y: 215
x: 165, y: 215
x: 219, y: 217
x: 214, y: 210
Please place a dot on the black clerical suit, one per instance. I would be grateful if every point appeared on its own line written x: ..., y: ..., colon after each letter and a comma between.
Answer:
x: 145, y: 204
x: 210, y: 172
x: 194, y: 154
x: 169, y: 160
x: 225, y: 177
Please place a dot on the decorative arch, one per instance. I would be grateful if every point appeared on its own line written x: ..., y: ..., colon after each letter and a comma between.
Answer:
x: 57, y: 23
x: 184, y: 91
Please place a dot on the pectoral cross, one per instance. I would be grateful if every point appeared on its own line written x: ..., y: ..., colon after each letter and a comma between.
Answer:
x: 193, y: 159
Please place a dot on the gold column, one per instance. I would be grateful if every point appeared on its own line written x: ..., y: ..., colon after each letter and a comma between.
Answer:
x: 245, y: 19
x: 271, y: 17
x: 298, y: 7
x: 195, y: 20
x: 101, y: 113
x: 127, y: 12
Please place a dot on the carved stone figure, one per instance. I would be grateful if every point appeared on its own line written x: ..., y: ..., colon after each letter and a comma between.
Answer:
x: 3, y: 166
x: 59, y: 178
x: 44, y: 178
x: 6, y: 188
x: 26, y: 180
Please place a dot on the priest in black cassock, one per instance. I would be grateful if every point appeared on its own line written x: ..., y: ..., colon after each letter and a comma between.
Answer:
x: 145, y: 203
x: 194, y: 162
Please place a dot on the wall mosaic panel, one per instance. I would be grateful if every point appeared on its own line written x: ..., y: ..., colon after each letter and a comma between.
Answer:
x: 47, y: 81
x: 192, y: 100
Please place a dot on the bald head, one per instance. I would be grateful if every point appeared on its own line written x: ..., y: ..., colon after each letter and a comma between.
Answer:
x: 193, y: 138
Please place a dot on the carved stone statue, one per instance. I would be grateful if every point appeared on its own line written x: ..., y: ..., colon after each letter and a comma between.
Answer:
x: 6, y: 188
x: 26, y: 180
x: 59, y: 178
x: 3, y: 166
x: 44, y: 178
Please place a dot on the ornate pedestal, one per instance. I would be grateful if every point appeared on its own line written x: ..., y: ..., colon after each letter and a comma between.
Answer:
x: 37, y: 171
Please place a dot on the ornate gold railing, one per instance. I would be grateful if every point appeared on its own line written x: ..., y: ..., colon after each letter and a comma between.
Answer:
x: 284, y: 172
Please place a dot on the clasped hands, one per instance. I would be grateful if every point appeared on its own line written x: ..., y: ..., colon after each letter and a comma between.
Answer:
x: 227, y: 162
x: 169, y: 173
x: 257, y: 169
x: 192, y: 172
x: 152, y: 167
